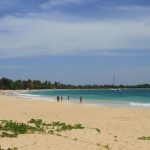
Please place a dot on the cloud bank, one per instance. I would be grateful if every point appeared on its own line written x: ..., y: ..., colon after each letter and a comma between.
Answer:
x: 56, y: 32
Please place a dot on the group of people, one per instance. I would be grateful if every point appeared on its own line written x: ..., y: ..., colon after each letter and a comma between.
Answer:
x: 60, y: 98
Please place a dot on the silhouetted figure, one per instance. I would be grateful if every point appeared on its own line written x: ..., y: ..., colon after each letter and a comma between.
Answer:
x: 81, y: 99
x: 61, y: 98
x: 57, y: 98
x: 68, y: 98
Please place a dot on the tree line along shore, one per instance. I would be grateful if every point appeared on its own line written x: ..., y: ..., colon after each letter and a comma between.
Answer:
x: 9, y: 84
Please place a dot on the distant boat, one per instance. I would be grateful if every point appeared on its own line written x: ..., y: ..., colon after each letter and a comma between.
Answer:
x: 117, y: 90
x: 113, y: 84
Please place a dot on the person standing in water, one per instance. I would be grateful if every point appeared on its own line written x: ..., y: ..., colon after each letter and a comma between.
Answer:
x: 57, y: 98
x: 81, y: 100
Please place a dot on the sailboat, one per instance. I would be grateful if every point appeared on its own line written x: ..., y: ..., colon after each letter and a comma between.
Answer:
x: 115, y: 89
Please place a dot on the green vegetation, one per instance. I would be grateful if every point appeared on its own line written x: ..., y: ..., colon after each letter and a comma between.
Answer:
x: 144, y: 138
x: 75, y: 139
x: 98, y: 130
x: 12, y: 129
x: 37, y: 122
x: 7, y: 84
x: 9, y: 148
x: 106, y: 147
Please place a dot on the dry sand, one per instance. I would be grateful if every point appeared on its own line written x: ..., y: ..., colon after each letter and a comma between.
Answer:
x: 120, y: 127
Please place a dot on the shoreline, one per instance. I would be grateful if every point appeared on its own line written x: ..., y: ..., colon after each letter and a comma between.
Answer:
x: 102, y: 103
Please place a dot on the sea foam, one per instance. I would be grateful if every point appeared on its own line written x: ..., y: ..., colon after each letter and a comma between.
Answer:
x: 140, y: 104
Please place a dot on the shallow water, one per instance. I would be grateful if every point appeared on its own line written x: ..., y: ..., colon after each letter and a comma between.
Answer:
x: 125, y: 97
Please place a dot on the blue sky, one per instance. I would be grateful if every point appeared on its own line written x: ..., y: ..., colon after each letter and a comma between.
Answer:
x: 75, y: 41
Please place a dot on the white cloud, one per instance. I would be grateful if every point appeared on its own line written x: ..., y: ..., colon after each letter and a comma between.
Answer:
x: 136, y: 11
x: 134, y: 8
x: 31, y: 36
x: 53, y: 3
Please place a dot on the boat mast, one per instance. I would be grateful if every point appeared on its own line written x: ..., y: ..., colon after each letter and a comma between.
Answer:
x: 114, y: 79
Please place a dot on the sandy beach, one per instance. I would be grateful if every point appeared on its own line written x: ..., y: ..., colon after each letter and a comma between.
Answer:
x: 120, y: 127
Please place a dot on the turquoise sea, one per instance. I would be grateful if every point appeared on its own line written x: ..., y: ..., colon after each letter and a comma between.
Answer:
x: 106, y: 97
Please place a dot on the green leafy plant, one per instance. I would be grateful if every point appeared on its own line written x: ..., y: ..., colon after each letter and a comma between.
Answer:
x: 98, y: 130
x: 12, y: 148
x: 144, y: 138
x: 38, y: 122
x: 15, y: 148
x: 106, y: 147
x: 12, y: 129
x: 75, y: 139
x: 1, y: 148
x: 58, y: 126
x: 9, y: 135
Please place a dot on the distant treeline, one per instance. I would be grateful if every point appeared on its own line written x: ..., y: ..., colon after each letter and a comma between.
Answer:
x: 8, y: 84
